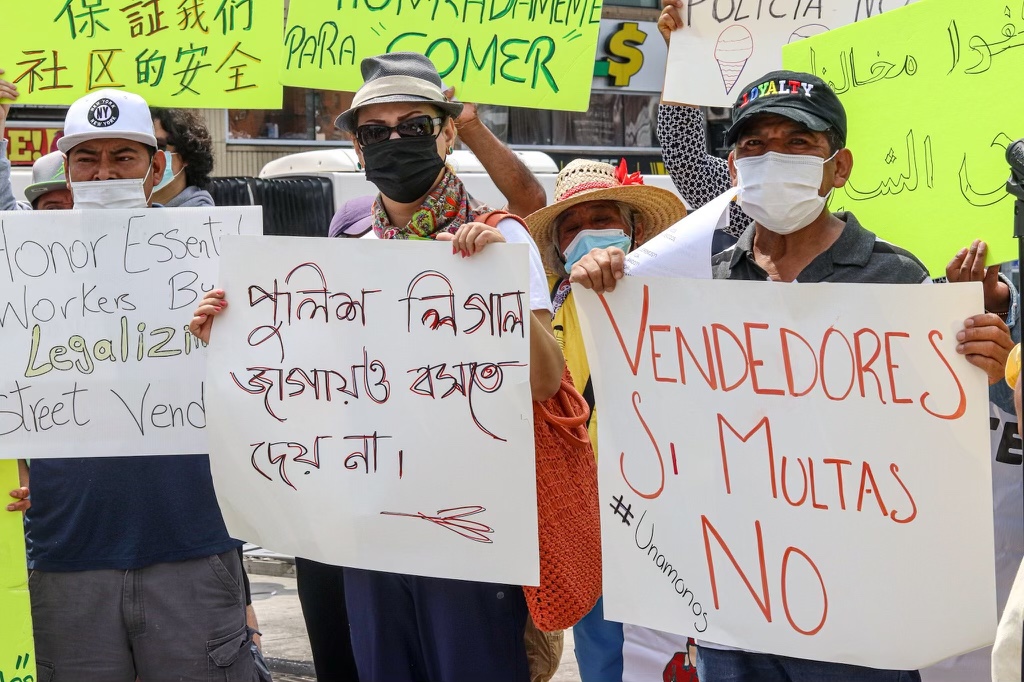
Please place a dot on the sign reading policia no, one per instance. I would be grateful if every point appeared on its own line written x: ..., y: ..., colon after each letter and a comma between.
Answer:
x: 525, y: 53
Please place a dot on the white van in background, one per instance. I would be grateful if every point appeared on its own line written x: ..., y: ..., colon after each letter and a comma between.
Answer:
x: 349, y: 180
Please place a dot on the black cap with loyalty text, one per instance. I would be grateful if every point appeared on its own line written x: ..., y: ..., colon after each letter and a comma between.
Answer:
x: 801, y: 97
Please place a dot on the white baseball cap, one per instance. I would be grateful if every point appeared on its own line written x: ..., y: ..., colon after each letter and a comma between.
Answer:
x: 108, y: 114
x: 47, y: 176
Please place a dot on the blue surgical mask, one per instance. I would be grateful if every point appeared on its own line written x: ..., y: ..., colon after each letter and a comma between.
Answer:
x: 585, y: 240
x: 169, y: 173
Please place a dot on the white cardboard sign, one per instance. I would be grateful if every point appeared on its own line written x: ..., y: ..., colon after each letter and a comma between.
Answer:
x: 726, y: 44
x: 94, y: 313
x: 370, y: 405
x: 796, y: 469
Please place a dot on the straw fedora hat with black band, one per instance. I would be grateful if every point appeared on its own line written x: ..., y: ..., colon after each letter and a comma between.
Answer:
x: 583, y: 180
x: 397, y: 77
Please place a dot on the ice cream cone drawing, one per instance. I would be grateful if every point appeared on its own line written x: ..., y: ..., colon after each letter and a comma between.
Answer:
x: 733, y: 49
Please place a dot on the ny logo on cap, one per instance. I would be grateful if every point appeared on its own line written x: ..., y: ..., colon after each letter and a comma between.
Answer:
x: 103, y: 113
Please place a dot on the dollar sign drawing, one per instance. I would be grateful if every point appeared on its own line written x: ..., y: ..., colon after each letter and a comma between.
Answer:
x: 624, y: 44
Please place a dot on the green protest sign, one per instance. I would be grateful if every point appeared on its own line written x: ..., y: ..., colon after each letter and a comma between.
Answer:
x: 17, y: 654
x: 930, y: 95
x: 524, y: 53
x: 175, y: 53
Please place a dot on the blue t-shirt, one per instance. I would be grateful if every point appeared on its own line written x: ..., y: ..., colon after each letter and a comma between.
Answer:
x: 122, y: 513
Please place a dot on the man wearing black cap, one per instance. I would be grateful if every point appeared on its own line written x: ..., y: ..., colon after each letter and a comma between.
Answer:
x: 789, y: 136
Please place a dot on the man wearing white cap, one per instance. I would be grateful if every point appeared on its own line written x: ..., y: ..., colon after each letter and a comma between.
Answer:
x: 110, y: 146
x: 134, y: 575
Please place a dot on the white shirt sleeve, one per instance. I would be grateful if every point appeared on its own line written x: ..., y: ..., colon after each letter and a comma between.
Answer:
x: 515, y: 233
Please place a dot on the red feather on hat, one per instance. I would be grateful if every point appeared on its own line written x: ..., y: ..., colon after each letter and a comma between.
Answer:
x: 624, y: 177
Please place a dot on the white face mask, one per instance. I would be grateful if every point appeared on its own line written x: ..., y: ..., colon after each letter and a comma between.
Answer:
x: 780, y: 191
x: 96, y: 194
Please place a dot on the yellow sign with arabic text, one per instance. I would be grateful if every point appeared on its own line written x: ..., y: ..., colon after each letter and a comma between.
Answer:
x: 524, y: 53
x: 931, y: 96
x: 17, y: 654
x: 175, y: 53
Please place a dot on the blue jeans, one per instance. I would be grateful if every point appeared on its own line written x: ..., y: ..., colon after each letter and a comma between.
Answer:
x: 716, y: 665
x: 598, y: 646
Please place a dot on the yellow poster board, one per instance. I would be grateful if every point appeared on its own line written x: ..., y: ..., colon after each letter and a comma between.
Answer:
x: 176, y: 53
x: 524, y: 53
x: 930, y: 92
x: 17, y: 654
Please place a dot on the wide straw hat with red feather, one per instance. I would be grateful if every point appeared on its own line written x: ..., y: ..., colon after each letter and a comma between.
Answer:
x: 583, y: 180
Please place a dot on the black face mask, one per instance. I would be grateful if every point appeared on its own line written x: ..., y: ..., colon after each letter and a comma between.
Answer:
x: 403, y: 169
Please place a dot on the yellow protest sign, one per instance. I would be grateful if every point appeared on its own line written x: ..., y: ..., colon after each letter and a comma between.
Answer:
x: 930, y: 95
x: 17, y: 654
x: 175, y: 53
x: 524, y: 53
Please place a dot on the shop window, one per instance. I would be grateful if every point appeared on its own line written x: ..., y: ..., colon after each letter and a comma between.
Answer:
x: 612, y: 120
x: 305, y: 115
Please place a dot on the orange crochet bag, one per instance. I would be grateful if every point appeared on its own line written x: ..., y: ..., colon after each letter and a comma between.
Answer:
x: 567, y: 512
x: 567, y: 507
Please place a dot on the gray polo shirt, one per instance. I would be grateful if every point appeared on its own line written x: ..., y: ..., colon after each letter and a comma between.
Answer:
x: 857, y: 256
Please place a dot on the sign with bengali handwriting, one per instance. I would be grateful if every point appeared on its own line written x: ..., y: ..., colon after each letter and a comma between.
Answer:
x: 94, y: 313
x: 370, y: 405
x: 532, y: 53
x: 931, y: 116
x: 175, y: 53
x: 17, y: 660
x: 775, y: 475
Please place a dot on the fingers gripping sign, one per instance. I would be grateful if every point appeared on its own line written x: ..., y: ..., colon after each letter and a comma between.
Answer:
x: 670, y: 19
x: 968, y: 265
x: 600, y: 269
x: 471, y: 238
x: 22, y: 501
x: 985, y: 342
x: 213, y: 304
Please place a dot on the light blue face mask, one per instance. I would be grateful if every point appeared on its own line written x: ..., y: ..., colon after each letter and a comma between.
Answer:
x: 585, y: 240
x: 169, y: 173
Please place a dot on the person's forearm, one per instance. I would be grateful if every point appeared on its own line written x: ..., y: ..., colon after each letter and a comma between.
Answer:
x: 698, y: 175
x: 546, y: 360
x: 510, y: 175
x: 7, y: 200
x: 23, y: 473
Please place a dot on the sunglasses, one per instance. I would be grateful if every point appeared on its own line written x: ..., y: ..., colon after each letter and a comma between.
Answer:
x: 418, y: 126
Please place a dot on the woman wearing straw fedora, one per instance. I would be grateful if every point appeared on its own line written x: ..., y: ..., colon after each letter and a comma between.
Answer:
x: 596, y: 206
x: 407, y: 628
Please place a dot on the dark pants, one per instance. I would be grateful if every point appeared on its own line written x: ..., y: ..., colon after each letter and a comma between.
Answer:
x: 181, y: 621
x: 716, y: 665
x: 412, y: 629
x: 322, y: 594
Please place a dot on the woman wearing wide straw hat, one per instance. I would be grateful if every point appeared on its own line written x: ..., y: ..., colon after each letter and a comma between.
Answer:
x: 596, y: 205
x: 408, y: 628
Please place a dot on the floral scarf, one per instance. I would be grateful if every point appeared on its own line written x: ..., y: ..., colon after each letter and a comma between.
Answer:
x: 445, y: 209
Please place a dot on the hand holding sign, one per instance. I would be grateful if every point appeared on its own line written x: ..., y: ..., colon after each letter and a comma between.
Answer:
x: 213, y: 304
x: 968, y: 265
x: 670, y: 20
x: 8, y: 94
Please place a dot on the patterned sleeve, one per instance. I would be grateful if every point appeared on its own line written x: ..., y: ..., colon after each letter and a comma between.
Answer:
x: 698, y: 176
